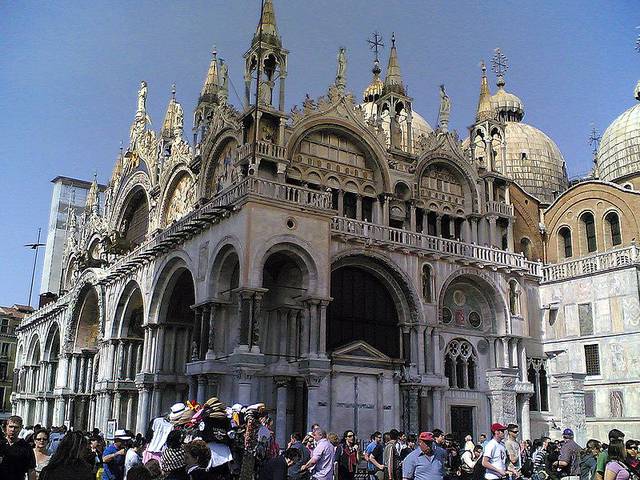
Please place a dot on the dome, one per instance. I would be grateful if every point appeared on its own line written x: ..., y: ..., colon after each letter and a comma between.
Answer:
x: 619, y: 151
x: 534, y: 161
x: 508, y: 107
x: 419, y: 126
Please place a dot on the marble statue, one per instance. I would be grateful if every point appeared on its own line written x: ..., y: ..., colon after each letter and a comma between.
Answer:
x: 445, y: 110
x: 341, y: 73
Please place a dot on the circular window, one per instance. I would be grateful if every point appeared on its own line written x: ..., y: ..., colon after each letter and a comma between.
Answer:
x: 459, y: 297
x: 446, y: 315
x: 475, y: 320
x: 291, y: 223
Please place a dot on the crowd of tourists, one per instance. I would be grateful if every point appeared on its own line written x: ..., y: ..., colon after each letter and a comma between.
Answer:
x: 176, y: 454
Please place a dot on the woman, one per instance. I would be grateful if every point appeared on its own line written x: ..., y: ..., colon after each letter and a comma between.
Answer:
x: 468, y: 460
x: 96, y: 447
x: 588, y: 459
x: 41, y: 439
x: 632, y: 461
x: 616, y: 468
x: 347, y: 456
x: 72, y: 460
x: 134, y: 454
x: 172, y: 460
x: 196, y: 459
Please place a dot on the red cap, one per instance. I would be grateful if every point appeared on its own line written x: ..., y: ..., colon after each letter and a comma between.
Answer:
x: 426, y: 437
x: 497, y: 426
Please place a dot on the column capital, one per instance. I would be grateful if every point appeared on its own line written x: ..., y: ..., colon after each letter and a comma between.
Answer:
x: 313, y: 381
x: 281, y: 381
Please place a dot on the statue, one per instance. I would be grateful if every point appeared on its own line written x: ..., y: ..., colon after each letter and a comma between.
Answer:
x: 479, y: 148
x: 224, y: 85
x: 396, y: 132
x: 178, y: 121
x: 142, y: 97
x: 341, y: 74
x: 445, y: 109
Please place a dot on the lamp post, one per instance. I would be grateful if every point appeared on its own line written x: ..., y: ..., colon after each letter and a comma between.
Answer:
x: 35, y: 247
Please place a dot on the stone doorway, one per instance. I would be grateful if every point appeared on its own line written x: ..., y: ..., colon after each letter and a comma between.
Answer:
x: 461, y: 422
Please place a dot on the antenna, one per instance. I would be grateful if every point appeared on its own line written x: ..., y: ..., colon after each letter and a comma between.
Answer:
x: 375, y: 44
x: 35, y: 247
x: 499, y: 63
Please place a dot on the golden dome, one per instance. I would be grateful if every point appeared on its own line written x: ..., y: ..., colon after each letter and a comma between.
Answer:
x: 508, y: 107
x: 619, y: 151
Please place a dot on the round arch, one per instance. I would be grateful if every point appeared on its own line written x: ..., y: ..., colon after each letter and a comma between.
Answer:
x: 465, y: 175
x: 86, y: 324
x: 226, y: 270
x: 129, y: 313
x: 138, y: 180
x: 52, y: 343
x: 181, y: 186
x: 33, y: 353
x: 164, y: 282
x: 213, y: 157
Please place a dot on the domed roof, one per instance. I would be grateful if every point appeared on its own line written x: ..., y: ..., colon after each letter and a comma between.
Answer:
x: 534, y: 161
x: 419, y: 126
x: 619, y: 151
x: 507, y: 106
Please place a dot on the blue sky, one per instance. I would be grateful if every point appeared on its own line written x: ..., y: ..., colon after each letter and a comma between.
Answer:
x: 69, y: 73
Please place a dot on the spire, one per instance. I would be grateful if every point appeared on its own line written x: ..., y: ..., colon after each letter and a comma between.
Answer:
x: 374, y: 90
x: 393, y: 80
x: 268, y: 22
x: 173, y: 123
x: 117, y: 168
x: 485, y: 111
x: 93, y: 199
x: 210, y: 87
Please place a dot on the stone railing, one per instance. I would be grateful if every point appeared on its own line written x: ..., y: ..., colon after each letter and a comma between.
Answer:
x: 263, y: 149
x: 464, y: 252
x: 500, y: 208
x: 291, y: 194
x: 598, y: 262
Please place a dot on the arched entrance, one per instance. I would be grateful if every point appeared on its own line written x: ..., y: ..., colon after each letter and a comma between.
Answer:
x: 51, y: 358
x: 32, y: 379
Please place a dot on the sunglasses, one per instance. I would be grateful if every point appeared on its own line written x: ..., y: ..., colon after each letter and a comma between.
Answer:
x: 350, y: 435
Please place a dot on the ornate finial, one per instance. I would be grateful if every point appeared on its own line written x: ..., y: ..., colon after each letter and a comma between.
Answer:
x: 121, y: 147
x: 375, y: 44
x: 214, y: 51
x: 173, y: 91
x: 393, y: 39
x: 499, y: 65
x: 483, y: 67
x: 484, y: 111
x: 594, y: 139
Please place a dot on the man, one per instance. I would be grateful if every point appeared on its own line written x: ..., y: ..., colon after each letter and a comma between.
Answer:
x: 482, y: 439
x: 322, y: 457
x: 410, y: 447
x: 276, y: 468
x: 494, y: 455
x: 373, y: 454
x: 114, y: 456
x: 603, y: 457
x: 17, y: 456
x: 390, y: 457
x: 438, y: 446
x: 513, y: 446
x: 452, y: 464
x: 294, y: 469
x: 569, y: 460
x: 422, y: 464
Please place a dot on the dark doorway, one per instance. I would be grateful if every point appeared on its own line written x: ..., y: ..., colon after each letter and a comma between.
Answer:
x: 461, y: 422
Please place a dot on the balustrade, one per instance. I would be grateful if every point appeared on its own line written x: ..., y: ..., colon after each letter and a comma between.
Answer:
x: 500, y: 208
x: 593, y: 263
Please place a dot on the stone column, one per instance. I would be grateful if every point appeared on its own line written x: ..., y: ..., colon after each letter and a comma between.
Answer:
x: 131, y: 363
x: 244, y: 379
x: 212, y: 384
x: 202, y: 389
x: 143, y: 409
x: 385, y: 210
x: 505, y: 352
x: 157, y: 400
x: 571, y: 388
x: 281, y: 409
x: 510, y: 245
x: 197, y: 334
x: 425, y: 222
x: 522, y: 354
x: 244, y: 312
x: 89, y: 375
x: 316, y: 404
x: 341, y: 203
x: 256, y: 323
x: 525, y: 424
x: 452, y: 227
x: 129, y: 411
x: 211, y: 341
x: 107, y: 407
x: 322, y: 330
x: 490, y: 188
x: 438, y: 225
x: 314, y: 327
x: 304, y: 330
x: 358, y: 207
x: 117, y: 405
x: 63, y: 372
x: 282, y: 315
x: 492, y: 230
x: 502, y: 394
x: 474, y: 231
x: 159, y: 363
x: 411, y: 421
x: 412, y: 217
x: 438, y: 414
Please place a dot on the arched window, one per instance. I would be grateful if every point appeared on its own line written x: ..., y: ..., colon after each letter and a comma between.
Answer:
x: 565, y: 242
x: 460, y: 365
x: 589, y: 225
x: 427, y: 279
x: 613, y: 223
x: 525, y: 247
x: 537, y: 375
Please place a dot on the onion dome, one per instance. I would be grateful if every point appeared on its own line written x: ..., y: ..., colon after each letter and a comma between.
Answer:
x: 619, y: 151
x: 508, y: 107
x: 374, y: 90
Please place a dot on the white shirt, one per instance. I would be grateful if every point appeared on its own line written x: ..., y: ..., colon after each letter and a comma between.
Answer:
x: 131, y: 458
x: 161, y: 429
x: 497, y: 455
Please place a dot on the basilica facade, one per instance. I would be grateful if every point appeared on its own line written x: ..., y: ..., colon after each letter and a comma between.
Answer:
x: 347, y: 264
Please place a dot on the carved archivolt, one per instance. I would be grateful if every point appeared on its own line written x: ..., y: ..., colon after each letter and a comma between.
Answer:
x: 178, y: 197
x: 139, y: 179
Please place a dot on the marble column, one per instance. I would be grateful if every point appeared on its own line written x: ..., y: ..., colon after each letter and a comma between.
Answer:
x: 244, y: 379
x: 304, y: 330
x: 438, y: 225
x: 358, y: 207
x: 117, y: 406
x: 202, y: 389
x: 525, y: 424
x: 197, y: 334
x: 438, y: 414
x: 156, y: 409
x: 211, y: 341
x: 510, y: 244
x: 493, y: 240
x: 341, y: 203
x: 412, y: 217
x: 256, y: 321
x: 322, y: 329
x: 129, y: 411
x: 506, y: 363
x: 281, y: 409
x: 143, y: 409
x: 502, y: 394
x: 159, y: 360
x: 571, y: 389
x: 314, y: 327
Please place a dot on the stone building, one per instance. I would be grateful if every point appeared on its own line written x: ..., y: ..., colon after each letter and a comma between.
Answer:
x: 344, y: 262
x: 10, y: 318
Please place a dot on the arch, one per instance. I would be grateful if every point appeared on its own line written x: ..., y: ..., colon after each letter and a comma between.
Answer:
x: 138, y: 180
x: 362, y: 137
x: 226, y: 140
x: 164, y: 281
x: 488, y: 290
x: 33, y: 353
x: 52, y: 343
x: 589, y: 237
x: 226, y: 269
x: 460, y: 364
x: 613, y: 233
x: 565, y: 244
x: 427, y: 282
x: 178, y: 195
x: 297, y: 249
x: 134, y: 219
x: 86, y: 319
x: 129, y: 313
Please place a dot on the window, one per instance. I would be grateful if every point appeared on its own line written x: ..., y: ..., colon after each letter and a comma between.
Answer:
x: 565, y: 242
x: 4, y: 325
x: 590, y: 403
x: 537, y: 375
x: 460, y: 365
x: 426, y: 283
x: 613, y: 222
x: 590, y: 231
x: 3, y: 371
x: 592, y: 359
x: 585, y: 317
x: 526, y: 248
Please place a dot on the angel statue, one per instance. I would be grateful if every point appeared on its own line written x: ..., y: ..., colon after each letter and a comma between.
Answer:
x: 445, y: 109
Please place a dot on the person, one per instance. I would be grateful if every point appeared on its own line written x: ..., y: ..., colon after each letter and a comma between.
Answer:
x: 588, y: 459
x: 452, y: 463
x: 438, y: 447
x: 172, y: 461
x: 322, y: 457
x: 569, y: 459
x: 41, y: 439
x: 347, y: 456
x: 18, y: 458
x: 276, y: 468
x: 402, y: 442
x: 196, y: 459
x: 134, y: 454
x: 469, y: 458
x: 113, y: 457
x: 494, y: 455
x: 153, y: 466
x: 409, y: 447
x: 71, y: 461
x: 57, y: 434
x: 512, y: 446
x: 390, y: 457
x: 373, y: 455
x: 482, y: 439
x: 294, y: 469
x: 616, y: 468
x: 422, y: 463
x: 96, y: 447
x: 603, y: 457
x: 139, y: 472
x: 632, y: 461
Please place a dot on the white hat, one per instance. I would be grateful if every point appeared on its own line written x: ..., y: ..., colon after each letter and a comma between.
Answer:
x: 177, y: 407
x: 121, y: 435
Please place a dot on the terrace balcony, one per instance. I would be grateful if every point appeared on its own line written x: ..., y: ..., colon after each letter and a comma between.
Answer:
x: 599, y: 262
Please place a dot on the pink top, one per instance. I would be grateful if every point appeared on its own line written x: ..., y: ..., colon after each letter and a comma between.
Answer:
x: 620, y: 470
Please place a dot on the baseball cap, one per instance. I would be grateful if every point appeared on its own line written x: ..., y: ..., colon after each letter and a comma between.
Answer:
x: 567, y: 432
x: 426, y: 437
x: 497, y: 426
